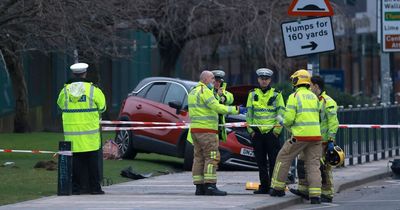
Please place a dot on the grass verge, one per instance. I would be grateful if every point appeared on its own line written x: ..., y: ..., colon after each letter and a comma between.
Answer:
x: 20, y: 181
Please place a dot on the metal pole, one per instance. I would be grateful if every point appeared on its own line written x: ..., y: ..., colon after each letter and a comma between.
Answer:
x: 313, y: 64
x: 386, y: 80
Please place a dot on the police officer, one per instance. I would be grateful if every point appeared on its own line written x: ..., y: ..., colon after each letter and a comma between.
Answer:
x: 302, y: 119
x: 329, y: 127
x: 224, y: 97
x: 81, y: 104
x: 264, y: 104
x: 203, y: 113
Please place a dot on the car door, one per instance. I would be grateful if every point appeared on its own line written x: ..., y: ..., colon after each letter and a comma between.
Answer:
x: 150, y: 108
x: 175, y: 92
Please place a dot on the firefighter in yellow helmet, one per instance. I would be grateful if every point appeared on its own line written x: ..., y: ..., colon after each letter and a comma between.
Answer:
x: 329, y: 127
x: 81, y: 104
x: 264, y: 103
x: 224, y: 97
x: 302, y: 119
x: 203, y: 113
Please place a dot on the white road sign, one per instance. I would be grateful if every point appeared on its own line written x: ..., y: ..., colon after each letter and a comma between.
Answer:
x: 308, y: 36
x: 390, y: 25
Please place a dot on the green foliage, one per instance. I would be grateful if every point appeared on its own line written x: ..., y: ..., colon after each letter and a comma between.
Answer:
x: 23, y: 182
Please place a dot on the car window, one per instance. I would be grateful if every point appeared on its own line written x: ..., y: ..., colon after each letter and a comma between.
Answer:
x: 175, y: 93
x: 143, y: 91
x: 155, y: 92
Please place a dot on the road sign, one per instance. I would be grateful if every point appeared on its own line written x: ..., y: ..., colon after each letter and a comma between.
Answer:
x: 310, y: 8
x: 308, y: 36
x: 390, y: 26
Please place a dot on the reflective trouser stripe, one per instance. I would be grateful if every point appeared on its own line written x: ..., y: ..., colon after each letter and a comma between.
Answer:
x: 210, y: 176
x: 314, y: 192
x: 303, y: 189
x: 274, y: 181
x: 198, y: 178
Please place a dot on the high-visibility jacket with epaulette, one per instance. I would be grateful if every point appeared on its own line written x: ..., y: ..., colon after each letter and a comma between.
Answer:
x: 227, y: 101
x: 302, y: 115
x: 262, y: 109
x: 81, y: 104
x: 204, y: 109
x: 328, y: 115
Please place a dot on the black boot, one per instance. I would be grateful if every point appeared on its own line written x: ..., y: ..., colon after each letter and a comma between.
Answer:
x: 299, y: 193
x: 200, y: 189
x: 315, y: 200
x: 211, y: 189
x: 262, y: 190
x: 326, y: 199
x: 276, y: 193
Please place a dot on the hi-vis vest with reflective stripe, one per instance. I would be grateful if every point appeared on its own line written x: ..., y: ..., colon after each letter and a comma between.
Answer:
x: 204, y: 109
x: 263, y: 111
x: 81, y: 119
x: 329, y: 120
x: 302, y: 115
x: 228, y: 101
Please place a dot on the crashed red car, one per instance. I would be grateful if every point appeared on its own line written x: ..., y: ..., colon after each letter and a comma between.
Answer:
x: 162, y: 99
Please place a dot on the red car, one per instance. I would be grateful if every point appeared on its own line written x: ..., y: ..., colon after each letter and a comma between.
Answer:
x: 162, y: 99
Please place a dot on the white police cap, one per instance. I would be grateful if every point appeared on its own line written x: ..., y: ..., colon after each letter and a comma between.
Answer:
x: 79, y: 68
x: 218, y: 73
x: 264, y: 72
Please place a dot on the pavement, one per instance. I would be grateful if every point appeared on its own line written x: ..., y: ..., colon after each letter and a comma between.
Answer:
x: 176, y: 191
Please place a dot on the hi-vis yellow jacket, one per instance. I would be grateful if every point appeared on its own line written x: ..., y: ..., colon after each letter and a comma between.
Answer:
x: 204, y: 109
x: 302, y: 115
x: 80, y: 103
x: 262, y: 109
x: 228, y: 100
x: 329, y: 120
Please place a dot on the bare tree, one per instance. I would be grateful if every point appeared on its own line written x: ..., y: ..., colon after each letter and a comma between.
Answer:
x: 53, y: 26
x: 174, y: 23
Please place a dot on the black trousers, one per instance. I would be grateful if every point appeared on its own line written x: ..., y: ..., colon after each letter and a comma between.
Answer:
x: 265, y: 145
x: 85, y: 172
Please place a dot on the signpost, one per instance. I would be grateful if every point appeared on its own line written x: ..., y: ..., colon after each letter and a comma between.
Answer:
x: 313, y: 35
x: 310, y: 8
x: 390, y: 42
x: 390, y: 26
x: 308, y: 36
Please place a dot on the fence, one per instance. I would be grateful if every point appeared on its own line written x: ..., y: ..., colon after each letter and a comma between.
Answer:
x: 364, y: 144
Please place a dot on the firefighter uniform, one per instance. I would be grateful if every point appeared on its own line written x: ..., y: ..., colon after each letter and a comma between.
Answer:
x: 263, y: 106
x: 81, y: 104
x: 203, y: 113
x: 302, y: 119
x: 225, y: 98
x: 329, y: 127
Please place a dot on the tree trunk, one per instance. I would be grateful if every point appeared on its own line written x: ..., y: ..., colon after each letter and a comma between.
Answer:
x: 15, y: 69
x: 169, y: 53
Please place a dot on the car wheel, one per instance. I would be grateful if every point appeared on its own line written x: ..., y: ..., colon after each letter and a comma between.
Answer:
x: 124, y: 140
x: 188, y: 157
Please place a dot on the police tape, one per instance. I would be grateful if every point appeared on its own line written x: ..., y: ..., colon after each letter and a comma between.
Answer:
x: 67, y: 153
x: 184, y: 125
x: 105, y: 122
x: 368, y: 126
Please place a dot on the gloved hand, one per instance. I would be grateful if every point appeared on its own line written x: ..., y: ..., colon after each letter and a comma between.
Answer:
x: 242, y: 110
x: 279, y: 119
x: 330, y: 146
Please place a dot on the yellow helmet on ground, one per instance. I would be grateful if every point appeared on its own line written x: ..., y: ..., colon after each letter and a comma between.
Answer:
x: 335, y: 157
x: 301, y: 77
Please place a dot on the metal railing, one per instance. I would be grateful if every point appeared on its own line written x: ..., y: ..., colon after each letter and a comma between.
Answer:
x: 364, y: 144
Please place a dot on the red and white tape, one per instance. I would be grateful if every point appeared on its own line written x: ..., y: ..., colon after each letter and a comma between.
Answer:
x: 184, y: 125
x: 368, y: 126
x: 105, y: 122
x: 68, y: 153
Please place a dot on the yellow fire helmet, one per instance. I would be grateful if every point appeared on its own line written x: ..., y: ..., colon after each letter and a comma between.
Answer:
x: 301, y: 77
x: 335, y: 157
